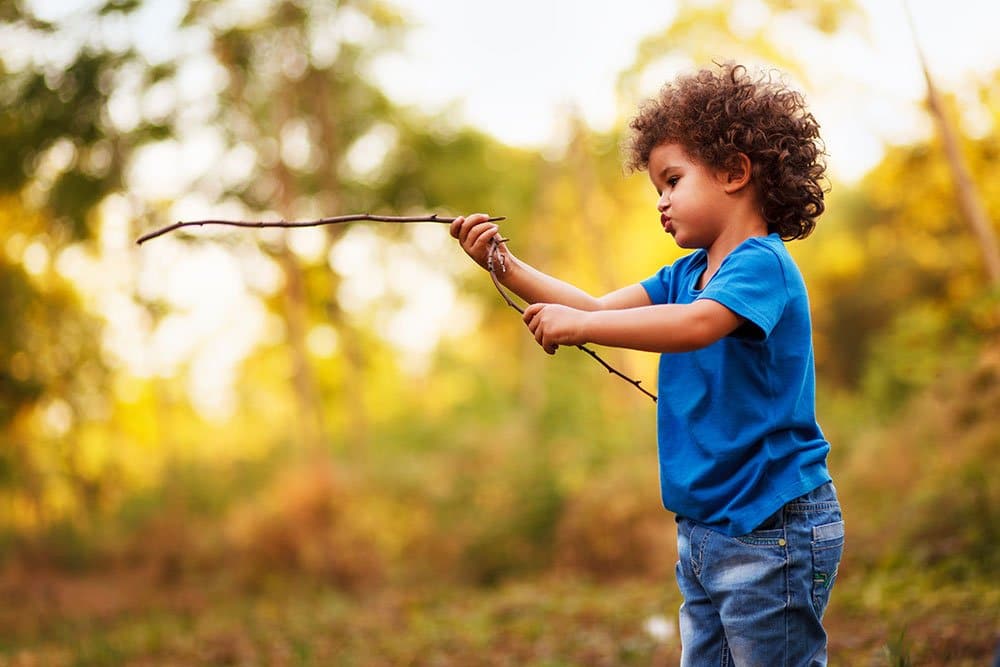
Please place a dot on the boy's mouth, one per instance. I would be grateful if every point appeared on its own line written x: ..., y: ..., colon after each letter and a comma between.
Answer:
x: 667, y: 226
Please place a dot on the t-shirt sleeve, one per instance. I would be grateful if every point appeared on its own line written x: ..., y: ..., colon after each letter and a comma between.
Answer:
x: 657, y: 286
x: 751, y: 283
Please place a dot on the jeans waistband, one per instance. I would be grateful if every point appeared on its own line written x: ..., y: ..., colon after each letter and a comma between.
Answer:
x: 820, y: 498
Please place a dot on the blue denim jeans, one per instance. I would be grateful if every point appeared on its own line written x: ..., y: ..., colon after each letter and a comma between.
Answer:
x: 758, y: 599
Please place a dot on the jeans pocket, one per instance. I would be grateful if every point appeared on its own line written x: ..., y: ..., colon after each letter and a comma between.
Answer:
x: 827, y: 548
x: 772, y: 537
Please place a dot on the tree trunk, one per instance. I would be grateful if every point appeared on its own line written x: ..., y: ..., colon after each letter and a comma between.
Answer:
x: 296, y: 316
x: 352, y: 344
x: 295, y: 311
x: 969, y: 201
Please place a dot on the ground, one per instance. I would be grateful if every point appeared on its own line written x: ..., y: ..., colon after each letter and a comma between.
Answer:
x: 128, y: 619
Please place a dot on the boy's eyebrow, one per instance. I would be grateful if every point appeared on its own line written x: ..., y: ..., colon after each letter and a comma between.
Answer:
x: 667, y: 169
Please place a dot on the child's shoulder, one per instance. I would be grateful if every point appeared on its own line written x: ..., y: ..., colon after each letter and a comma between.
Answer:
x: 770, y: 243
x: 766, y: 257
x: 768, y: 249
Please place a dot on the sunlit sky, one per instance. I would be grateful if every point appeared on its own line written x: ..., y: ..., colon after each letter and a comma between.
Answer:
x: 514, y: 69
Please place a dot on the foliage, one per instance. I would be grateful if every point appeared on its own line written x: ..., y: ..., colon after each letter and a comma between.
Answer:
x: 747, y: 32
x: 468, y: 500
x: 542, y: 622
x: 615, y: 528
x: 61, y: 144
x: 51, y: 377
x: 930, y: 497
x: 906, y: 275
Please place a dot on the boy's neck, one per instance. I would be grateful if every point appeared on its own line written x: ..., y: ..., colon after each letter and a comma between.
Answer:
x: 748, y: 223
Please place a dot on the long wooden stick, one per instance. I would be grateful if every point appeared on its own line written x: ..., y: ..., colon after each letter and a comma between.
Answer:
x: 495, y: 257
x: 309, y: 223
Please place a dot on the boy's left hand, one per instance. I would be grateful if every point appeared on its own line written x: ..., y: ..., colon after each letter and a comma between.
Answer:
x: 553, y: 325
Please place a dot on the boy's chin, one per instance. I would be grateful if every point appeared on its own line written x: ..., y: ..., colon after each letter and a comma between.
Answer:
x: 689, y: 242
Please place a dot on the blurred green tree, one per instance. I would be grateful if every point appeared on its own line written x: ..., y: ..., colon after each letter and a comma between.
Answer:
x: 51, y: 374
x: 63, y: 154
x: 321, y: 139
x: 63, y: 150
x: 750, y: 32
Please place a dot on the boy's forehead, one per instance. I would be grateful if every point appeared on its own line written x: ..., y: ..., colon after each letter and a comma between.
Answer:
x: 667, y: 155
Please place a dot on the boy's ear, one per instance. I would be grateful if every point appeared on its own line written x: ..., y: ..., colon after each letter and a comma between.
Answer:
x: 737, y: 173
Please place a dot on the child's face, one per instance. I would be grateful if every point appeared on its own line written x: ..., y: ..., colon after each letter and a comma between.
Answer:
x: 692, y: 200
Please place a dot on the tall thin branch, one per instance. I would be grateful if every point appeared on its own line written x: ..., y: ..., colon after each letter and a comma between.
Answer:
x: 969, y: 201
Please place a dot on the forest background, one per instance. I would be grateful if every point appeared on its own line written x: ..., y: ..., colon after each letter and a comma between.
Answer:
x: 337, y: 445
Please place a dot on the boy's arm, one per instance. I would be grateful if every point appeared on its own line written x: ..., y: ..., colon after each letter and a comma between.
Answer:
x: 658, y: 328
x: 475, y: 233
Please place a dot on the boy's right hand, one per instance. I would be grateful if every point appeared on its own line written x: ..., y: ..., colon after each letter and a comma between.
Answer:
x: 474, y: 234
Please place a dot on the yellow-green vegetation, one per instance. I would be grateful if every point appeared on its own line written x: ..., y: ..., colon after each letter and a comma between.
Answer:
x: 330, y: 490
x: 489, y: 555
x: 548, y: 621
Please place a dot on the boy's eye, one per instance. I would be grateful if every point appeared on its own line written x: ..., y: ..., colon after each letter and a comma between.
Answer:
x: 672, y: 181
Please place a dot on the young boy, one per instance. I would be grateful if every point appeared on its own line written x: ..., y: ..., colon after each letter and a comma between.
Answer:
x: 737, y: 163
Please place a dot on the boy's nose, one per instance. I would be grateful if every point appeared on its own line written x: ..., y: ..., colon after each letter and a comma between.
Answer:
x: 663, y: 204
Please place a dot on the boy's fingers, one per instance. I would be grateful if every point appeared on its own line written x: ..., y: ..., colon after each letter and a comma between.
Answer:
x: 459, y: 226
x: 456, y: 226
x: 529, y: 313
x: 468, y: 227
x: 550, y: 348
x: 471, y: 221
x: 480, y: 233
x: 534, y: 322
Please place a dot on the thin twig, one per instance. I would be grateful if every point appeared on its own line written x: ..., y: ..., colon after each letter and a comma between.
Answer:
x: 310, y: 223
x: 495, y: 260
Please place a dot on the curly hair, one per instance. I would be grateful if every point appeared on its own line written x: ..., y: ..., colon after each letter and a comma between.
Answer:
x: 714, y: 116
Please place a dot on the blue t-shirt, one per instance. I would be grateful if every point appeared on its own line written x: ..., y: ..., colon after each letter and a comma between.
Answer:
x: 736, y: 421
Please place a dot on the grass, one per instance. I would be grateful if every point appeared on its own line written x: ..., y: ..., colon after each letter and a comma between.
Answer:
x: 544, y: 622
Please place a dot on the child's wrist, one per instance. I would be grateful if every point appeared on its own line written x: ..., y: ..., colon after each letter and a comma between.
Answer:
x: 505, y: 267
x: 588, y: 321
x: 591, y: 323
